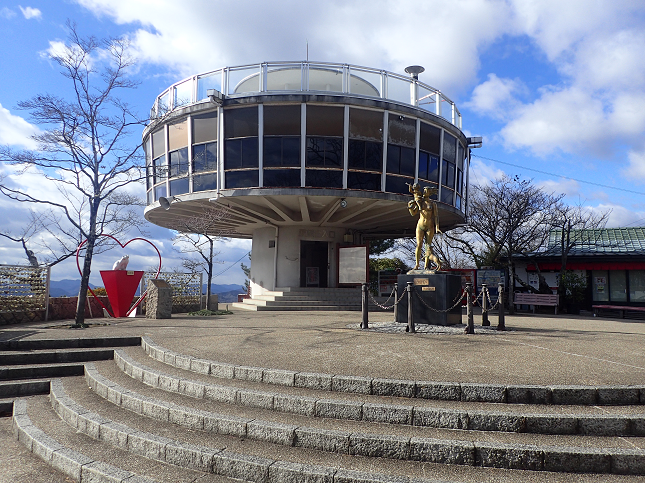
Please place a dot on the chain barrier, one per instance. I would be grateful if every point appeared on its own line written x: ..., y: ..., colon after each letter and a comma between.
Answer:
x: 457, y: 302
x: 490, y: 304
x: 383, y: 306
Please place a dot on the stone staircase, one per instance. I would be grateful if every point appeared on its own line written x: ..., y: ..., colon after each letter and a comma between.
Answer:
x: 299, y: 298
x: 152, y: 414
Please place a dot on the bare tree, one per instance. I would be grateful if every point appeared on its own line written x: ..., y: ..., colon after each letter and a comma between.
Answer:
x: 85, y: 148
x: 197, y: 236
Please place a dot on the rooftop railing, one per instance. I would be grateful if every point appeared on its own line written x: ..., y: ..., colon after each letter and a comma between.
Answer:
x: 312, y: 77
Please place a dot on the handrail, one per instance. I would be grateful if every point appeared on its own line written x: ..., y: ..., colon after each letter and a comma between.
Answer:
x: 417, y: 94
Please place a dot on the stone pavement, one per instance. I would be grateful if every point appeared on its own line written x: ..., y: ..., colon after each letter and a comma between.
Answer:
x: 536, y: 349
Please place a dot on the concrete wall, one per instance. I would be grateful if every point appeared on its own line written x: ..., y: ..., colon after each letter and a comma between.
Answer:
x: 288, y: 256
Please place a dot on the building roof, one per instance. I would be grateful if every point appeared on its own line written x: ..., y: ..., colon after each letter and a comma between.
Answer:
x: 605, y: 241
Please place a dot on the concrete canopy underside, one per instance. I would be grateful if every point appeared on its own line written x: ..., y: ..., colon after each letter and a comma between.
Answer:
x: 375, y: 215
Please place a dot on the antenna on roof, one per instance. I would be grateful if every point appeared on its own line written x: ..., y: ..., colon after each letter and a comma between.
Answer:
x: 307, y: 50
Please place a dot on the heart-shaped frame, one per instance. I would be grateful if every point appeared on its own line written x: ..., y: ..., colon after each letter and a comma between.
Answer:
x: 143, y: 296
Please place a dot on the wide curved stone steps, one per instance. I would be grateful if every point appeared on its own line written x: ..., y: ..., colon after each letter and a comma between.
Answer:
x: 181, y: 418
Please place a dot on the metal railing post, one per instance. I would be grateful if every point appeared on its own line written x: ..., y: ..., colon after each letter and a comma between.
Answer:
x: 470, y: 328
x: 396, y: 301
x: 410, y: 327
x: 485, y: 321
x: 364, y: 323
x: 501, y: 324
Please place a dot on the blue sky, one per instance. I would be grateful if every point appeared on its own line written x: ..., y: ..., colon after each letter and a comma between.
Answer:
x: 557, y: 89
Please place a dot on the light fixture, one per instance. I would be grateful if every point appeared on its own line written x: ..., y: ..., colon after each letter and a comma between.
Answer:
x: 343, y: 203
x: 165, y: 202
x: 414, y: 71
x: 474, y: 142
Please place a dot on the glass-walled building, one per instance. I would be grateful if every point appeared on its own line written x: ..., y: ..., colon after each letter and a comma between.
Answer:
x: 302, y: 153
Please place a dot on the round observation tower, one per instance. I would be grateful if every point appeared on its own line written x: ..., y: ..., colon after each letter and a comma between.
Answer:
x: 309, y: 157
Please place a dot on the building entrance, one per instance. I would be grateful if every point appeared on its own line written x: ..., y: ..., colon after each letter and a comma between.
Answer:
x: 314, y: 261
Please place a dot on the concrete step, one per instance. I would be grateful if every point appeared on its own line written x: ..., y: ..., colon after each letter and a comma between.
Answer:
x: 583, y: 420
x: 26, y: 387
x: 39, y: 371
x: 84, y: 458
x: 54, y: 356
x: 560, y: 395
x: 232, y: 456
x: 69, y: 343
x: 184, y: 439
x: 302, y: 308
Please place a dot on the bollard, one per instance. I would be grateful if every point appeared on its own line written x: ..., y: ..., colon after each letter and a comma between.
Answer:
x: 396, y: 301
x: 501, y: 324
x: 470, y: 328
x: 485, y: 321
x: 364, y: 323
x: 410, y: 327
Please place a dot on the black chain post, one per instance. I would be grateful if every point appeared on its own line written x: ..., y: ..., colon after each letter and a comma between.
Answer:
x: 396, y: 301
x: 501, y: 324
x: 364, y: 323
x: 485, y: 321
x: 470, y: 328
x: 410, y: 327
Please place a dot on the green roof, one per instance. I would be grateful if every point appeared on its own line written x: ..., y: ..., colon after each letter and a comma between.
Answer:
x: 605, y: 241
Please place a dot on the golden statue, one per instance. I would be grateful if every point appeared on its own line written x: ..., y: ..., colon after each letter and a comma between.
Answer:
x: 428, y: 223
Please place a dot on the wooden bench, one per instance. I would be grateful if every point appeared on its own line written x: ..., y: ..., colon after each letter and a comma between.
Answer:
x: 620, y: 308
x: 537, y: 299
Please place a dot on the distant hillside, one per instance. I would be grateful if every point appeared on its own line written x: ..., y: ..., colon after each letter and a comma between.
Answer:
x: 65, y: 288
x: 227, y: 287
x: 229, y: 297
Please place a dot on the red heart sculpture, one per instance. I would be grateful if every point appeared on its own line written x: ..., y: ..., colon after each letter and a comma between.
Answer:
x: 143, y: 296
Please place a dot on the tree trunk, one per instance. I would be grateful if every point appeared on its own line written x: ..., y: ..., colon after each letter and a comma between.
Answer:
x: 85, y: 280
x: 210, y: 277
x: 511, y: 286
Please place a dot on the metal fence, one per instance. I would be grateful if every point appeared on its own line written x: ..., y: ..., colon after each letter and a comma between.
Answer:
x: 24, y: 293
x: 186, y: 289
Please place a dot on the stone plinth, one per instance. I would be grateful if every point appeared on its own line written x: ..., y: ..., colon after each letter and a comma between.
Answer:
x: 159, y: 299
x: 438, y: 290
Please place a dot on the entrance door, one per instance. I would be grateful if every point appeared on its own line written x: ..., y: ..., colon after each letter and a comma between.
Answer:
x: 313, y: 263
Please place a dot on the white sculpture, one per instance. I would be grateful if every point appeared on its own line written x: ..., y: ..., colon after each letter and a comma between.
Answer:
x: 121, y: 263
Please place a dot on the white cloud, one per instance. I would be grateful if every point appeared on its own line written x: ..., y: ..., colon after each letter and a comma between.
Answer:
x: 496, y: 97
x: 15, y: 131
x: 568, y: 187
x: 445, y: 36
x: 30, y: 12
x: 636, y: 167
x: 6, y: 12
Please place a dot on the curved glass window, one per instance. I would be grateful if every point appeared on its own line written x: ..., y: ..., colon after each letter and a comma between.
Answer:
x: 205, y: 128
x: 430, y: 139
x: 158, y: 143
x: 178, y: 162
x: 428, y: 167
x: 324, y: 152
x: 205, y: 182
x: 177, y: 135
x: 324, y: 178
x: 178, y: 186
x: 204, y: 157
x: 160, y: 191
x: 365, y: 155
x: 446, y: 196
x: 398, y: 184
x: 281, y: 145
x: 364, y: 181
x: 276, y: 178
x: 400, y: 160
x: 242, y: 179
x: 401, y: 130
x: 160, y: 169
x: 241, y: 147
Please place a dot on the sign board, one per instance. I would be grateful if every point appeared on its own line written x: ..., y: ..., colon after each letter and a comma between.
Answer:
x: 352, y: 265
x: 386, y: 281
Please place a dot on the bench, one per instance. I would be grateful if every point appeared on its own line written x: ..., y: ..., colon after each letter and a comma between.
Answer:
x: 620, y: 308
x: 537, y: 299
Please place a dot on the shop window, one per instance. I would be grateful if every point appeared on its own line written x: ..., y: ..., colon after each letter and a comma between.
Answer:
x: 637, y: 286
x: 617, y: 286
x: 600, y: 285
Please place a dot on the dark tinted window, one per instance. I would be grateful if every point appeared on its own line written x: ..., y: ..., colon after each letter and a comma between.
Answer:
x: 242, y: 179
x: 241, y: 153
x: 365, y: 125
x: 428, y: 167
x: 241, y: 122
x: 205, y: 182
x: 281, y: 177
x: 324, y: 151
x: 401, y: 130
x: 205, y: 157
x: 179, y: 186
x: 363, y: 181
x: 397, y: 184
x: 325, y: 121
x: 205, y: 128
x: 319, y: 178
x: 449, y: 147
x: 430, y: 138
x: 282, y: 120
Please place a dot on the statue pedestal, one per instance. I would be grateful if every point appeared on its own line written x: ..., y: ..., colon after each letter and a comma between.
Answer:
x: 439, y: 290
